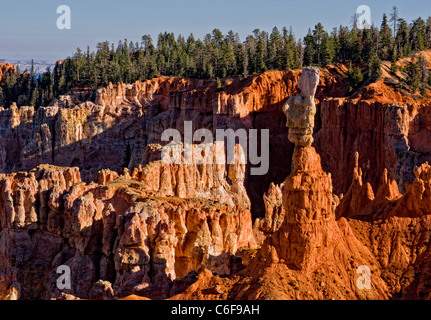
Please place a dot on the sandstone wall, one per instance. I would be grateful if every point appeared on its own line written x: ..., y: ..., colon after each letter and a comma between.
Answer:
x: 114, y: 130
x: 119, y: 233
x: 391, y: 136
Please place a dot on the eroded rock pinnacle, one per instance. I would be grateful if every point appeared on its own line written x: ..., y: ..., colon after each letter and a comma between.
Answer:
x: 300, y: 109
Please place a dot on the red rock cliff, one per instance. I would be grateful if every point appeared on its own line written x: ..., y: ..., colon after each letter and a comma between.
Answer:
x: 122, y: 233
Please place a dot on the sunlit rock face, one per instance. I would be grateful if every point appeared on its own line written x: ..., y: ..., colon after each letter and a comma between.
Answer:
x: 301, y: 109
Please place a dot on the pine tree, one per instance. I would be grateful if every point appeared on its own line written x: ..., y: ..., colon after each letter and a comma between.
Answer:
x: 319, y: 40
x: 218, y: 56
x: 422, y: 69
x: 191, y: 54
x: 34, y: 97
x: 274, y: 50
x: 355, y: 77
x: 354, y: 51
x: 335, y: 44
x: 79, y: 62
x: 394, y: 19
x: 229, y: 57
x: 368, y: 51
x: 413, y: 72
x: 402, y: 39
x: 309, y: 50
x: 47, y: 87
x: 294, y: 52
x: 284, y: 53
x: 428, y: 31
x: 10, y: 87
x: 31, y: 79
x: 343, y: 44
x: 102, y: 63
x: 241, y: 61
x: 418, y: 35
x: 300, y: 49
x: 250, y: 45
x: 385, y: 52
x: 394, y: 67
x: 327, y: 53
x: 260, y: 54
x: 377, y: 40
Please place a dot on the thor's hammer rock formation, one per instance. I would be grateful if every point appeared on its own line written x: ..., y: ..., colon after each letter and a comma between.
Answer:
x: 300, y: 109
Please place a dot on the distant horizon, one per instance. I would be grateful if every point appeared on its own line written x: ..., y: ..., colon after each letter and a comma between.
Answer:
x: 35, y: 34
x: 35, y: 60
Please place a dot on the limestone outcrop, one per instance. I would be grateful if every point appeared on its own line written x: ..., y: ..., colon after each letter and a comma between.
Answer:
x: 396, y: 228
x: 359, y: 195
x: 310, y: 256
x: 301, y: 109
x: 117, y: 238
x: 191, y: 180
x: 113, y: 130
x: 384, y: 135
x: 314, y: 255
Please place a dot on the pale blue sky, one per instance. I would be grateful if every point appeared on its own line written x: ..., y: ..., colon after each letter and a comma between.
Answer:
x: 28, y: 27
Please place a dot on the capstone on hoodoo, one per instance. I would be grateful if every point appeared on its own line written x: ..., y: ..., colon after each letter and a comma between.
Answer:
x: 300, y: 109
